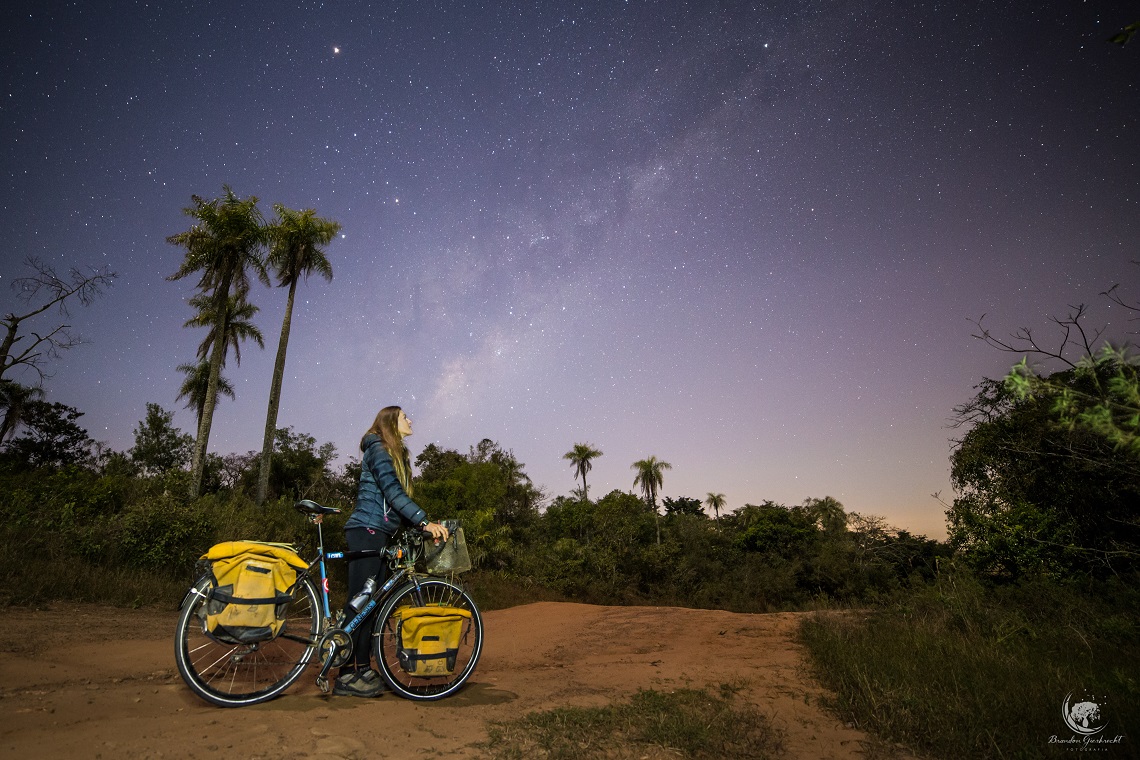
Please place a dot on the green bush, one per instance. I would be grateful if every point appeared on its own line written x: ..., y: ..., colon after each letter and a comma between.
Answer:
x: 158, y: 533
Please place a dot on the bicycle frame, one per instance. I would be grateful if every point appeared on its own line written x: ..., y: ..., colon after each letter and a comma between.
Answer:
x: 399, y: 574
x: 336, y: 625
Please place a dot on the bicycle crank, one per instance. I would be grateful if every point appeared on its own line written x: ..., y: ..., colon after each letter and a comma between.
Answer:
x: 335, y: 647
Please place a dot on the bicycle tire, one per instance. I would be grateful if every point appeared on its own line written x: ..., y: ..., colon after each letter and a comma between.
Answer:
x: 432, y: 592
x: 235, y: 675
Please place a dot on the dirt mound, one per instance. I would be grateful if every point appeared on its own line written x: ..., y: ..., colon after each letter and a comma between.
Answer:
x: 88, y: 681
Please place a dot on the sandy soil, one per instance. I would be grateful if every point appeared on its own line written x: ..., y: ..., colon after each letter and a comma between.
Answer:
x: 81, y: 681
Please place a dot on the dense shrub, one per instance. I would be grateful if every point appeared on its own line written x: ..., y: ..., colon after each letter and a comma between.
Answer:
x: 614, y: 550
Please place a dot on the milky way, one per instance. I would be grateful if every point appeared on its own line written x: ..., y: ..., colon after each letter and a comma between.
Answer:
x: 745, y: 238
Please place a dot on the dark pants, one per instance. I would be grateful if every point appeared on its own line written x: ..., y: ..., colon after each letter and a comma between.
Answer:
x: 359, y: 571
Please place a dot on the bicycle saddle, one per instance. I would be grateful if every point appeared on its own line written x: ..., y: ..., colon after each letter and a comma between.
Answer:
x: 313, y: 508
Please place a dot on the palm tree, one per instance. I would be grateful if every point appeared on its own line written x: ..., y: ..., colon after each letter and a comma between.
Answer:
x: 196, y: 384
x: 828, y: 513
x: 650, y: 477
x: 224, y: 244
x: 236, y: 325
x: 715, y: 502
x: 14, y: 400
x: 295, y: 252
x: 580, y: 457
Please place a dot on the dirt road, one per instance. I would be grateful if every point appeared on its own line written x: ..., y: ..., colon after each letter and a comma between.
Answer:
x: 81, y: 681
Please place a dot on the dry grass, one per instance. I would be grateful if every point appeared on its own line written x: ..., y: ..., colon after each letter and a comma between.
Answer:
x: 686, y: 723
x: 959, y: 670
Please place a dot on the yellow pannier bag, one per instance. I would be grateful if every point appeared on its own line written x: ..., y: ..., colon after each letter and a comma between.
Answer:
x: 429, y: 639
x: 252, y: 587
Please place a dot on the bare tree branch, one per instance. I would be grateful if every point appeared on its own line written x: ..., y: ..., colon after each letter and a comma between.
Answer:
x: 1117, y: 299
x: 45, y: 283
x: 1074, y: 336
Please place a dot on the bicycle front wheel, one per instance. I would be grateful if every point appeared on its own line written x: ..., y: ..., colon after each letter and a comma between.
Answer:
x: 431, y: 592
x: 234, y: 674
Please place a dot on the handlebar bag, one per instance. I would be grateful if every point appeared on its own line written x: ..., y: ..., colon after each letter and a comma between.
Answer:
x: 253, y: 582
x: 448, y: 556
x: 428, y: 639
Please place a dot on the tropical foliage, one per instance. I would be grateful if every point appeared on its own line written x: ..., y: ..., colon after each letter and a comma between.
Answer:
x: 650, y: 476
x: 222, y: 248
x: 581, y: 458
x: 1035, y: 496
x: 760, y: 557
x: 159, y: 446
x: 715, y: 502
x: 196, y: 385
x: 1048, y: 472
x: 50, y: 437
x: 234, y: 324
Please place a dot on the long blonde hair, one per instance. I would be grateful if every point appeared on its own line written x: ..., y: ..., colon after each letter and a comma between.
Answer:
x: 387, y: 426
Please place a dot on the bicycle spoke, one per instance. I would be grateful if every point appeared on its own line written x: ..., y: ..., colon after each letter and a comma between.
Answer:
x: 430, y: 592
x: 232, y: 674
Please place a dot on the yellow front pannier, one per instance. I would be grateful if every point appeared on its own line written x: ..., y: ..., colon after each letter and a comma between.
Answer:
x: 252, y: 587
x: 429, y: 639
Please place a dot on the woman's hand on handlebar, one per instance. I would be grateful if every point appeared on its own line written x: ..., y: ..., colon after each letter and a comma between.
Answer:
x: 436, y: 531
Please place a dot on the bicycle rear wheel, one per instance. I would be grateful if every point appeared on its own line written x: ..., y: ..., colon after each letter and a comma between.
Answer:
x: 233, y: 675
x: 432, y: 592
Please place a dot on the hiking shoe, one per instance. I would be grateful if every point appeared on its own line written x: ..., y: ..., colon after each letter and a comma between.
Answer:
x: 358, y: 685
x: 372, y: 678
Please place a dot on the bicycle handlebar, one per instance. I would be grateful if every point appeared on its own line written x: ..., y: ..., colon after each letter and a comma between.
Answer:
x: 309, y: 507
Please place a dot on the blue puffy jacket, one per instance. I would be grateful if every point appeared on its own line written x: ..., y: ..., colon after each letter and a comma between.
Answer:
x: 381, y: 503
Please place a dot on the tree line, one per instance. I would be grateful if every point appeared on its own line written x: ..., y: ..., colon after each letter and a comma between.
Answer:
x: 1046, y: 470
x: 229, y: 241
x: 131, y: 509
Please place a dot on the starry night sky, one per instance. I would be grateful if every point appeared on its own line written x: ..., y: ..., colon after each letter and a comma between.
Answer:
x: 746, y: 238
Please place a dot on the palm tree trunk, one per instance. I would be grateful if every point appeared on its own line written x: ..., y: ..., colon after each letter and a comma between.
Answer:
x: 217, y: 354
x: 651, y: 502
x: 275, y: 398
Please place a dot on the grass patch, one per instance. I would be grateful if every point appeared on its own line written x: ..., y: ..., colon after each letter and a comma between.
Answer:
x: 692, y: 723
x: 960, y: 670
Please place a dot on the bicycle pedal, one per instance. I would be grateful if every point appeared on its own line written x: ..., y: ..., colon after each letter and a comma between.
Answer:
x: 323, y: 685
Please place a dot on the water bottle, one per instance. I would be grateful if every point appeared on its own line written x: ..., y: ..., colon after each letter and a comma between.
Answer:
x: 365, y: 594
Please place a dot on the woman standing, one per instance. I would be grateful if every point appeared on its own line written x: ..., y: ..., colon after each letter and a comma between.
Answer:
x: 383, y: 506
